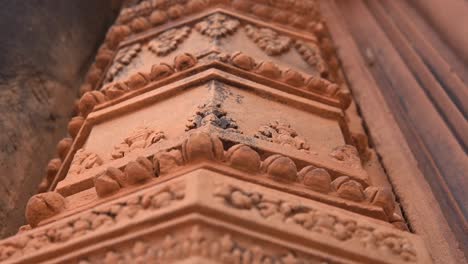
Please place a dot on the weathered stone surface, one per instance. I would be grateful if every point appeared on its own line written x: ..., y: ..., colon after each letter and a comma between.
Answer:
x: 221, y: 119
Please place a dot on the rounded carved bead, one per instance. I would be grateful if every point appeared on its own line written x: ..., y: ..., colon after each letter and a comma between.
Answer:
x: 202, y: 146
x: 43, y: 186
x: 74, y: 125
x: 382, y: 197
x: 269, y: 69
x: 175, y: 11
x: 158, y: 17
x: 243, y: 61
x: 117, y: 175
x: 160, y: 71
x: 105, y: 185
x: 332, y: 89
x: 89, y: 100
x: 115, y: 90
x: 93, y: 76
x: 317, y: 179
x: 85, y: 88
x: 117, y: 34
x: 139, y: 24
x: 137, y: 80
x: 281, y: 17
x: 104, y: 57
x: 280, y: 167
x: 52, y: 168
x: 293, y: 78
x: 168, y: 160
x: 196, y: 5
x: 63, y: 147
x: 344, y: 97
x: 243, y: 157
x: 317, y: 84
x: 348, y: 189
x: 42, y: 206
x: 262, y: 11
x: 184, y: 61
x: 243, y: 5
x: 139, y: 171
x: 298, y: 21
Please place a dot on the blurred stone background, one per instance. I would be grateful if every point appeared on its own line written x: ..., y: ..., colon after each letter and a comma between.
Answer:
x: 46, y: 47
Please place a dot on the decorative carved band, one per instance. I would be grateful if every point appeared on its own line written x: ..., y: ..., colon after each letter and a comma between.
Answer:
x: 199, y: 242
x: 316, y: 221
x: 201, y: 146
x: 86, y: 224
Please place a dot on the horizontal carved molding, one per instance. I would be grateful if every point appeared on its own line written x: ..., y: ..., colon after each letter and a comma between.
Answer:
x: 336, y: 233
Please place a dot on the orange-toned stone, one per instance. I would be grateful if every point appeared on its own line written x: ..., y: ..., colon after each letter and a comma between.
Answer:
x: 197, y: 122
x: 42, y: 206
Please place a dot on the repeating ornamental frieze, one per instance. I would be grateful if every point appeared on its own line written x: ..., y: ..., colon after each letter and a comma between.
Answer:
x: 168, y: 41
x: 103, y: 217
x: 185, y: 61
x: 202, y: 146
x: 198, y: 243
x: 217, y: 25
x: 268, y: 40
x: 317, y: 221
x: 282, y: 133
x: 140, y: 138
x: 302, y: 14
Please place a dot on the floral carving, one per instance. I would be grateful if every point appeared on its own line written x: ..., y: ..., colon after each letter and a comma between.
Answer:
x: 316, y: 221
x: 282, y: 133
x: 122, y: 59
x: 311, y: 53
x: 168, y: 41
x: 211, y: 113
x: 141, y: 138
x: 268, y: 40
x: 100, y: 218
x: 217, y: 26
x: 222, y: 248
x: 84, y: 160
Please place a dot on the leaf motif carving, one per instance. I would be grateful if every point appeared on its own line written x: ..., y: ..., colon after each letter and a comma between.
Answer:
x: 121, y: 60
x: 268, y: 40
x: 217, y: 26
x: 168, y: 41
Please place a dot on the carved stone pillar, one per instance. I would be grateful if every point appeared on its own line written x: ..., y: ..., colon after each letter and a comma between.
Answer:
x: 216, y: 132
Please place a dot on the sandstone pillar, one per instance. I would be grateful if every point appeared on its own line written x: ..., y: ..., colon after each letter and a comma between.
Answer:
x: 216, y: 132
